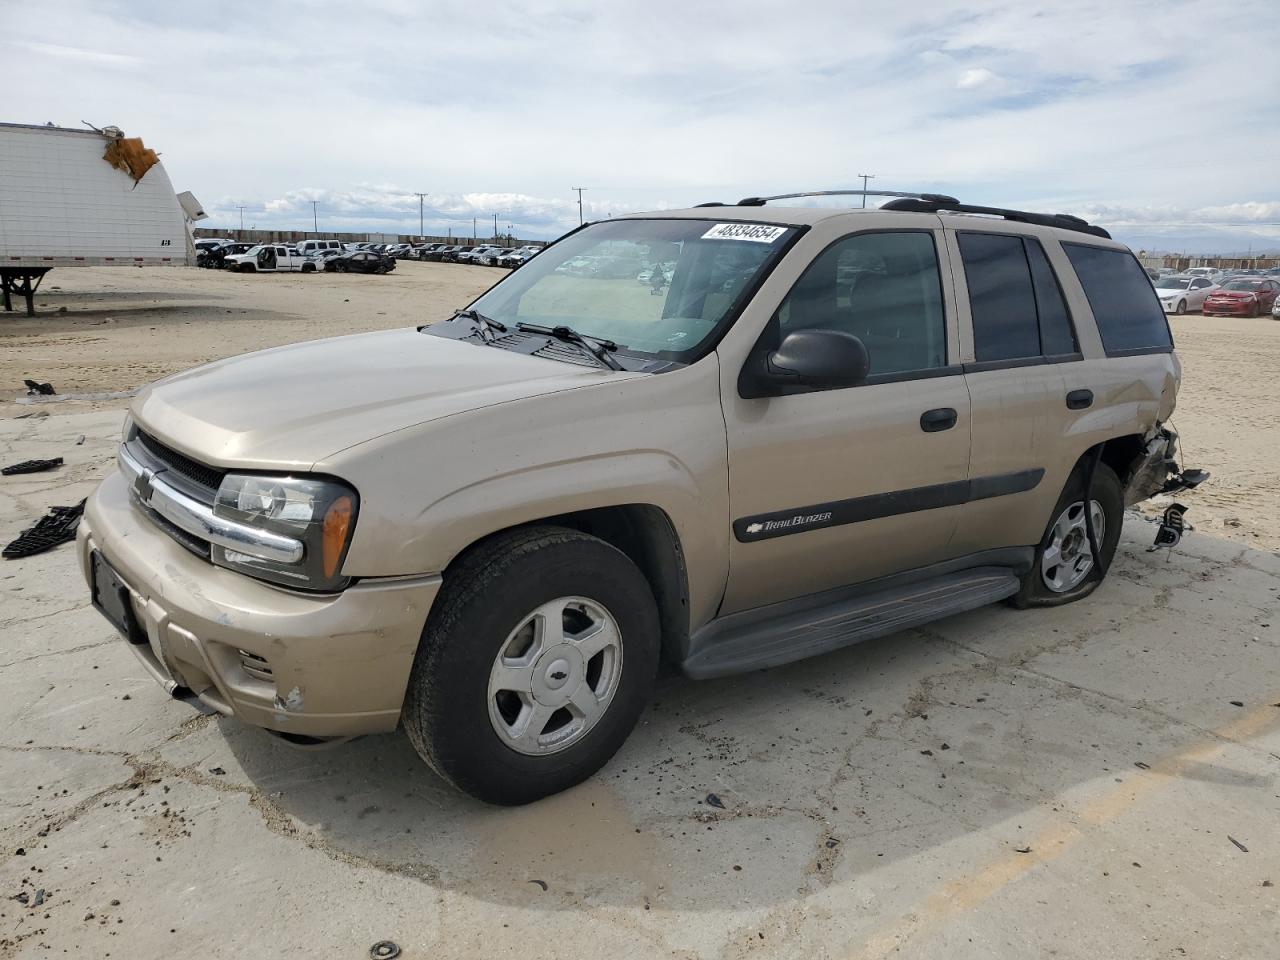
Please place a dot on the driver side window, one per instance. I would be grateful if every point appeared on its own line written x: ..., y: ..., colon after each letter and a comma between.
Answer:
x: 885, y: 289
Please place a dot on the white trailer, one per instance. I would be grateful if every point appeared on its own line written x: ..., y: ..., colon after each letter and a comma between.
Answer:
x: 84, y: 198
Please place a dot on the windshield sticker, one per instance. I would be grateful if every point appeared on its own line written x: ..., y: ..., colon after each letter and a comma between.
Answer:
x: 755, y: 232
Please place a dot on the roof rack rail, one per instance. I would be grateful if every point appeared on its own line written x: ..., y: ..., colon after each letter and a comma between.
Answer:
x: 1063, y: 221
x: 929, y: 197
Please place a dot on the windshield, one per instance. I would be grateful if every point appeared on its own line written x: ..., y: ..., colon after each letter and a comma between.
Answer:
x: 1174, y: 283
x: 657, y: 287
x: 1242, y: 285
x: 254, y: 249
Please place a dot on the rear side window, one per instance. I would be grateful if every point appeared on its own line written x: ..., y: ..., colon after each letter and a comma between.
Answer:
x: 1130, y: 318
x: 1057, y: 337
x: 1017, y: 306
x: 1001, y: 297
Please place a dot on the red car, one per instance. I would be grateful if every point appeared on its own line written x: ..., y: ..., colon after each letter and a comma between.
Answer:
x: 1242, y: 297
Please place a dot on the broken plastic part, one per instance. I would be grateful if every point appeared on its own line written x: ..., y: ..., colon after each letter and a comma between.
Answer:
x: 56, y: 527
x: 31, y: 466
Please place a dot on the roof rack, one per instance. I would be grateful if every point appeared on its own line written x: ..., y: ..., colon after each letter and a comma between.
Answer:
x: 928, y: 197
x: 1063, y: 221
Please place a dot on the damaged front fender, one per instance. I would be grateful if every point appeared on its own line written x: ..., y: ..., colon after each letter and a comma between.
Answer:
x: 1156, y: 469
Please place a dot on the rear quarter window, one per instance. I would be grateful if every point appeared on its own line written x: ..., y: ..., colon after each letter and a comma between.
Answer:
x: 1124, y: 304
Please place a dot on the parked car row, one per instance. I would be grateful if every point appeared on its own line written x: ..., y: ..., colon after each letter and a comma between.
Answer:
x: 335, y: 255
x: 1239, y: 294
x: 485, y: 255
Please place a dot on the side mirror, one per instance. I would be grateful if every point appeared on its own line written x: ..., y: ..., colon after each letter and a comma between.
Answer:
x: 819, y: 358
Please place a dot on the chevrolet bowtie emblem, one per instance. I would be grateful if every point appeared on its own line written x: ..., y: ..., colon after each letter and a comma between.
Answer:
x: 142, y: 485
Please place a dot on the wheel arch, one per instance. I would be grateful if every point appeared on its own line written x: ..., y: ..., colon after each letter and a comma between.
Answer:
x: 647, y: 536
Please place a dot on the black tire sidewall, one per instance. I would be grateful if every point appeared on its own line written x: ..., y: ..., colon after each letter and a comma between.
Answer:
x: 447, y: 713
x: 1108, y: 492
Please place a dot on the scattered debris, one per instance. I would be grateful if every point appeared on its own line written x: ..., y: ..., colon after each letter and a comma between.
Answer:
x: 63, y: 397
x: 217, y: 771
x: 1021, y: 849
x: 1141, y: 766
x: 1267, y: 883
x: 33, y: 414
x: 832, y: 843
x: 945, y: 746
x: 1172, y: 526
x: 1239, y: 846
x: 80, y: 440
x: 39, y: 389
x: 1237, y: 703
x: 38, y: 899
x: 926, y: 753
x: 384, y: 950
x: 541, y: 883
x: 714, y: 801
x: 56, y: 527
x: 31, y: 466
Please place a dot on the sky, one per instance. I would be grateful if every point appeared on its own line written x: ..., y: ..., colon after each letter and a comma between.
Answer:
x: 1159, y: 120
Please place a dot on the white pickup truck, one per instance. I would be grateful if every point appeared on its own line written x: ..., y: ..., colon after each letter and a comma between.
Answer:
x: 271, y: 258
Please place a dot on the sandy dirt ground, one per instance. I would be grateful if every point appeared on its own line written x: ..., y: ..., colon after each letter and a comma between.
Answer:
x: 1097, y: 780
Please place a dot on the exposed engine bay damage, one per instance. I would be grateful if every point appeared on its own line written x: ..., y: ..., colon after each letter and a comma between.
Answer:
x: 1156, y: 469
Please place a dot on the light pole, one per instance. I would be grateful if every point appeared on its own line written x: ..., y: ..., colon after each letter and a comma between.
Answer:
x: 420, y: 199
x: 865, y: 177
x: 473, y: 229
x: 579, y: 189
x: 315, y: 223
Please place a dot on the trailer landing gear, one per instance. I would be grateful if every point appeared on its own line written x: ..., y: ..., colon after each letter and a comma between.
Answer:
x: 24, y: 281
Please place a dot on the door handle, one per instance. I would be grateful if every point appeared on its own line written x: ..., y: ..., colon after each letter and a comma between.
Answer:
x: 933, y: 421
x: 1079, y: 399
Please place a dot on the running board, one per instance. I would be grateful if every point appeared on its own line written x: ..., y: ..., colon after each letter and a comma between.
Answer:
x: 783, y: 632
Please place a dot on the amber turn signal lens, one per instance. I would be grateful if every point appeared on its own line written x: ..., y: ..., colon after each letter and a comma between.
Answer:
x: 337, y: 523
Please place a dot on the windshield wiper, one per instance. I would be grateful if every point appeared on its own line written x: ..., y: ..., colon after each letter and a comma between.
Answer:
x: 485, y: 325
x: 596, y: 346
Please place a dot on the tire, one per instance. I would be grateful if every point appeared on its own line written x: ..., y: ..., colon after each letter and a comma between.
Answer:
x: 1108, y: 495
x: 1182, y: 307
x: 464, y: 730
x: 1253, y: 310
x: 308, y: 268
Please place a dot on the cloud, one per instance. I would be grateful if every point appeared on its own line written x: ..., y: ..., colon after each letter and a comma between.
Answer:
x: 975, y: 77
x: 665, y: 103
x: 100, y: 57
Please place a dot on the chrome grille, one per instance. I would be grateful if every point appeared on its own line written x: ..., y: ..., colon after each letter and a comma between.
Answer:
x: 208, y: 478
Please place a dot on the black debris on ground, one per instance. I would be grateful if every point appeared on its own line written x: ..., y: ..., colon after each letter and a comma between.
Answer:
x: 714, y: 801
x: 39, y: 389
x: 1239, y: 846
x: 1141, y: 766
x: 56, y: 527
x: 31, y: 466
x: 217, y: 771
x: 1237, y: 703
x: 384, y: 950
x: 541, y: 883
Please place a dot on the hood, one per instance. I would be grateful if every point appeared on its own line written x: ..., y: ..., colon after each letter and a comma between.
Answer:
x: 286, y: 408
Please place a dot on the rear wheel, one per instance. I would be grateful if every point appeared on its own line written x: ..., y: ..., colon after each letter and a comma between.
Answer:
x: 537, y: 659
x: 1065, y: 568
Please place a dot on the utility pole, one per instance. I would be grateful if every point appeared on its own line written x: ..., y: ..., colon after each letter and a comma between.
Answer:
x: 420, y: 199
x: 473, y: 229
x: 240, y: 207
x: 865, y: 177
x: 579, y: 189
x: 314, y: 221
x: 495, y: 226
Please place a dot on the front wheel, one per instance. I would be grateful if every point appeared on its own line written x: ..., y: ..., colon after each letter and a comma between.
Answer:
x: 536, y: 662
x: 1065, y: 568
x: 1182, y: 307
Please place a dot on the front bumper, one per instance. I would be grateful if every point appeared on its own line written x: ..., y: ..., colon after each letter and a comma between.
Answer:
x: 316, y: 666
x: 1230, y: 308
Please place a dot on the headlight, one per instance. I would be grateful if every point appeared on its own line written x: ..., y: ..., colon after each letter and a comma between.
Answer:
x: 321, y: 514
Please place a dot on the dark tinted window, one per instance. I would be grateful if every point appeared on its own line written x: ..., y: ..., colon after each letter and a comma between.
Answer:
x: 1128, y: 314
x: 883, y: 288
x: 1001, y: 297
x: 1056, y: 336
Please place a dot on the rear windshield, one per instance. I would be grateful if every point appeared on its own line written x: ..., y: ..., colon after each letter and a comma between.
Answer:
x: 655, y: 287
x: 1130, y: 318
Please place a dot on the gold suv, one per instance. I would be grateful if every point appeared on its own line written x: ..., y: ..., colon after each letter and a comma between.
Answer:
x: 727, y: 437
